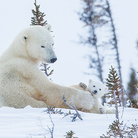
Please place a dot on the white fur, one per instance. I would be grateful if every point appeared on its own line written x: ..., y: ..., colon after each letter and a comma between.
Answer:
x: 22, y: 83
x: 98, y: 89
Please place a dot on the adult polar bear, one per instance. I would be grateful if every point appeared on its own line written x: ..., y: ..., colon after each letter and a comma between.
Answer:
x: 22, y: 83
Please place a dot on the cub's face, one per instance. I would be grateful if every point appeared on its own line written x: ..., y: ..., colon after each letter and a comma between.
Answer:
x: 97, y: 88
x: 39, y: 44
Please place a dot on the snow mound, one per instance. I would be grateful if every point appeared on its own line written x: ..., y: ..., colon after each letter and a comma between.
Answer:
x: 34, y: 122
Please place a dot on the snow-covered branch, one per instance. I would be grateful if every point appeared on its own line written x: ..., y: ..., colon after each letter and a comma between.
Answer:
x: 72, y: 107
x: 52, y: 129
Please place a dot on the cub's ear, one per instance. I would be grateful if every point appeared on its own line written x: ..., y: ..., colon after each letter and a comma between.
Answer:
x: 90, y: 80
x: 24, y: 38
x: 48, y: 27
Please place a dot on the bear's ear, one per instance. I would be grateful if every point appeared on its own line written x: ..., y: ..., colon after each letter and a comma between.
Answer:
x: 90, y: 81
x: 48, y: 27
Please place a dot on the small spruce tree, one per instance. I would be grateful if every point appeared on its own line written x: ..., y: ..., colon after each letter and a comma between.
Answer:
x: 38, y: 19
x: 120, y: 130
x: 114, y: 85
x: 116, y: 90
x: 70, y: 134
x: 132, y: 90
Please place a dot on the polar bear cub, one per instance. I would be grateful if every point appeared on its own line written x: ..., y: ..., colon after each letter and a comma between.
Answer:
x: 97, y: 90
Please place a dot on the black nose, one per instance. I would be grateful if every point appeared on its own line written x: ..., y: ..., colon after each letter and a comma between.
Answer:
x: 94, y: 91
x: 53, y: 60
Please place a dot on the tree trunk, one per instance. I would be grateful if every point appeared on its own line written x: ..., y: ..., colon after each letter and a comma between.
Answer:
x: 115, y: 40
x: 99, y: 67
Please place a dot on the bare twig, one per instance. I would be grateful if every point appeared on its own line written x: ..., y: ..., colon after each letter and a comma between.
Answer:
x: 72, y: 107
x: 51, y: 130
x: 45, y: 69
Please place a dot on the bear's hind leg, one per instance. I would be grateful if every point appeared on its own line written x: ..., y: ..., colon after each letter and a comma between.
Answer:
x: 21, y: 101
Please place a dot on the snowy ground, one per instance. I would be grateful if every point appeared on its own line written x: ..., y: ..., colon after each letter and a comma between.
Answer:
x: 34, y: 122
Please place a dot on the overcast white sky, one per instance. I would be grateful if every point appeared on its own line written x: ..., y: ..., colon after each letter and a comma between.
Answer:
x: 15, y: 15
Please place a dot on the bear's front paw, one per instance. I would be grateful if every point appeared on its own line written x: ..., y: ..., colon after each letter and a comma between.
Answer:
x: 111, y: 111
x: 102, y: 110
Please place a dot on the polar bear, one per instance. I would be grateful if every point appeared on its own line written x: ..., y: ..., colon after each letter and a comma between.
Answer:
x: 97, y: 90
x: 21, y: 81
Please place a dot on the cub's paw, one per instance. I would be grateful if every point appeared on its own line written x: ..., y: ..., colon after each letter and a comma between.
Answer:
x: 83, y: 85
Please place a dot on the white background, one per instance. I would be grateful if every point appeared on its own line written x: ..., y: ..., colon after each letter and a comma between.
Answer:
x: 15, y: 15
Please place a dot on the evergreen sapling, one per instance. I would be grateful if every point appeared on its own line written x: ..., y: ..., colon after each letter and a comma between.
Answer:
x: 38, y: 19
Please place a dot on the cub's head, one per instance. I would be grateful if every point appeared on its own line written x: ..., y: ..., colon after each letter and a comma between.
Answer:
x: 39, y: 43
x: 97, y: 88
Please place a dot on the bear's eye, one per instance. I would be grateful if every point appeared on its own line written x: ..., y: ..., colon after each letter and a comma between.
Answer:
x: 42, y: 46
x: 25, y: 38
x: 100, y: 89
x: 93, y: 85
x: 52, y: 45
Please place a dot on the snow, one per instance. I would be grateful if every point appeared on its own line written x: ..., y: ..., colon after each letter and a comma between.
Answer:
x: 34, y: 122
x: 66, y: 26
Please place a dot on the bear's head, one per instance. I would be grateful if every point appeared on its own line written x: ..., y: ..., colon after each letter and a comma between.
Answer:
x: 97, y: 88
x: 39, y: 43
